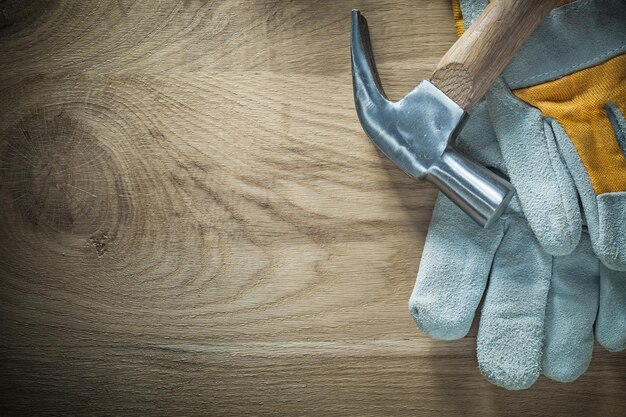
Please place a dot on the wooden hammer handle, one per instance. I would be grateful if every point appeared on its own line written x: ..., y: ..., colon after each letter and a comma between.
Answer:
x: 468, y: 69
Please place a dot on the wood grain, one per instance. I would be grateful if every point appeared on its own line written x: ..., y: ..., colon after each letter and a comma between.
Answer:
x: 194, y: 223
x: 472, y: 64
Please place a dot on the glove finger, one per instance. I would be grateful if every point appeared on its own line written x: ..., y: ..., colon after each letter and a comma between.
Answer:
x: 570, y: 313
x: 605, y: 213
x: 453, y: 272
x: 510, y: 334
x: 611, y: 320
x: 544, y: 187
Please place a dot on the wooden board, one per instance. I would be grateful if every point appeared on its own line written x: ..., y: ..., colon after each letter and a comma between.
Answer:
x: 194, y: 223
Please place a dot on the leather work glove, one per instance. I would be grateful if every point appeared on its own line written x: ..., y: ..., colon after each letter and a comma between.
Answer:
x: 562, y: 131
x: 539, y: 310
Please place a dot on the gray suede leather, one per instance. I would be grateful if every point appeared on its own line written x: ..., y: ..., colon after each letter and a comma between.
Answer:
x: 538, y: 312
x: 610, y: 239
x: 484, y: 145
x: 611, y: 321
x: 574, y: 36
x: 440, y: 309
x: 543, y: 184
x: 542, y: 163
x: 605, y: 214
x: 510, y: 335
x: 570, y: 313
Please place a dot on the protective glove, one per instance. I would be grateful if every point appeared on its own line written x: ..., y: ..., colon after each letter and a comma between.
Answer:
x: 562, y: 131
x: 538, y: 310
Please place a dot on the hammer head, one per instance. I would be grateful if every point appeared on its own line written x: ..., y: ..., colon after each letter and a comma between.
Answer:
x: 418, y: 132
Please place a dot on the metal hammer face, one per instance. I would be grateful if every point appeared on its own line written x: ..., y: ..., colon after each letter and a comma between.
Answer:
x: 418, y: 132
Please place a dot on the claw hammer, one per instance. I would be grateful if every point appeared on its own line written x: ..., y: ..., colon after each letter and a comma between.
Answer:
x: 417, y: 133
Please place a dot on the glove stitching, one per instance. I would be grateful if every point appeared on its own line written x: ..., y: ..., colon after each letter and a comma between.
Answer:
x: 571, y: 68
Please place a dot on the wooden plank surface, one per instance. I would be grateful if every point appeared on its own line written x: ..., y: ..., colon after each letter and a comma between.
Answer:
x: 194, y: 223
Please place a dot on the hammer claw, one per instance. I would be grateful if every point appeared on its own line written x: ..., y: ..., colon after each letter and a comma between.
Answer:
x: 365, y: 76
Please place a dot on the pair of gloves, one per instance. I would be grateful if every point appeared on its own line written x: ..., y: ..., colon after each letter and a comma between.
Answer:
x: 551, y: 273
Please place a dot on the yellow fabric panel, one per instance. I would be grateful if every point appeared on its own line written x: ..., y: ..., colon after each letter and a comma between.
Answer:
x: 577, y: 102
x: 459, y: 25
